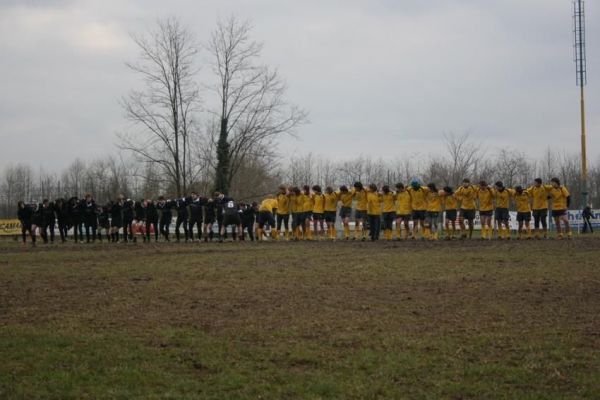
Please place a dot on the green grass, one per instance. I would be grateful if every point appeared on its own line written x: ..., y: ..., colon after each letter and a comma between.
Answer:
x: 459, y: 320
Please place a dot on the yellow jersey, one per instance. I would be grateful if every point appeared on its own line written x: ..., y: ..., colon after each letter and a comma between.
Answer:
x: 318, y: 203
x: 450, y: 202
x: 299, y: 203
x: 292, y: 203
x: 373, y: 203
x: 485, y: 197
x: 361, y: 199
x: 331, y: 200
x: 267, y: 205
x: 522, y: 201
x: 434, y: 201
x: 389, y: 202
x: 502, y: 197
x: 467, y: 196
x: 539, y: 196
x: 418, y: 198
x: 559, y: 198
x: 403, y: 203
x: 307, y: 206
x: 283, y: 204
x: 346, y: 198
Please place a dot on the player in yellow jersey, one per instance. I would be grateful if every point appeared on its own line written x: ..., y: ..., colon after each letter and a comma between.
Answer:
x: 360, y: 213
x: 466, y: 194
x: 318, y: 211
x: 539, y: 194
x: 501, y: 215
x: 561, y: 199
x: 522, y: 200
x: 388, y: 199
x: 403, y: 211
x: 283, y: 212
x: 307, y: 208
x: 265, y: 217
x: 434, y: 208
x: 486, y: 209
x: 297, y: 201
x: 374, y: 199
x: 331, y: 200
x: 418, y: 201
x: 450, y: 207
x: 345, y: 196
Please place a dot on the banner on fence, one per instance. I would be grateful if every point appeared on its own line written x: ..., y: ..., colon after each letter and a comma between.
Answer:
x: 10, y: 227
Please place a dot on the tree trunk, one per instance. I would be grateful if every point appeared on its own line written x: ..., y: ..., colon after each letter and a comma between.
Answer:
x: 222, y: 173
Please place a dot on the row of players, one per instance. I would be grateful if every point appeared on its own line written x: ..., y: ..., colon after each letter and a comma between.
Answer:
x: 374, y: 210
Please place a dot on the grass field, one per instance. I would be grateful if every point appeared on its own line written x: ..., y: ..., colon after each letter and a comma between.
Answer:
x: 457, y: 320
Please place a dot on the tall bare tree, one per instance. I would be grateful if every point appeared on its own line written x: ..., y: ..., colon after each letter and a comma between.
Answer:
x: 165, y: 110
x: 252, y: 111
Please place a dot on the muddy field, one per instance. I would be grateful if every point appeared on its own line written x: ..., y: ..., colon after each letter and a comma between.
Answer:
x: 459, y: 320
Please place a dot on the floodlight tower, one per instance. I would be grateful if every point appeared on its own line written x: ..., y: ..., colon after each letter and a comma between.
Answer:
x: 580, y: 63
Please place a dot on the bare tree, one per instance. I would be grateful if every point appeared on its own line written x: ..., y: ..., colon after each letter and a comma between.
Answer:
x: 252, y: 111
x: 164, y: 111
x: 462, y: 157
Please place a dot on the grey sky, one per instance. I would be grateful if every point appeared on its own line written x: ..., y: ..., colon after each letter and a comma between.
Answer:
x: 385, y: 77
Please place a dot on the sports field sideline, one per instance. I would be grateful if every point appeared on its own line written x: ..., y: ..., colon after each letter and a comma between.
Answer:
x: 457, y: 320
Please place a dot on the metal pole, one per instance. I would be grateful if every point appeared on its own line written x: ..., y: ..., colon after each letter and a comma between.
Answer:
x: 584, y: 172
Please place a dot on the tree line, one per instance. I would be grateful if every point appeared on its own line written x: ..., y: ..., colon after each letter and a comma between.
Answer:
x: 110, y: 176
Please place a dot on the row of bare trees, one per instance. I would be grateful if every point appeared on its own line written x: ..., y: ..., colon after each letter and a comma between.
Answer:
x: 107, y: 177
x: 460, y: 159
x: 192, y: 127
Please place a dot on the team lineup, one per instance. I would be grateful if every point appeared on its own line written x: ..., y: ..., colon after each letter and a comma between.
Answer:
x: 413, y: 211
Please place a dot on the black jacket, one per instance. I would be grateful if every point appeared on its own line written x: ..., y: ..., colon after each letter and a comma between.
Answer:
x: 151, y: 212
x: 128, y: 211
x: 196, y: 207
x: 38, y: 216
x: 25, y: 215
x: 165, y: 209
x: 248, y: 216
x: 48, y: 213
x: 140, y: 211
x: 74, y: 211
x: 116, y: 212
x: 181, y: 206
x: 89, y: 210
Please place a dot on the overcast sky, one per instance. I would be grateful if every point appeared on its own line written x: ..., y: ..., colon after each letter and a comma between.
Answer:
x: 385, y: 77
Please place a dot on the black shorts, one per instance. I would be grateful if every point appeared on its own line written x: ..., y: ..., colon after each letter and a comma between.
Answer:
x: 360, y: 214
x: 403, y: 217
x: 299, y: 218
x: 432, y: 214
x: 524, y: 216
x: 116, y: 223
x: 388, y: 217
x: 502, y: 214
x: 419, y: 214
x: 345, y: 212
x: 232, y: 219
x: 540, y: 214
x: 329, y: 216
x: 451, y: 215
x: 318, y: 216
x: 266, y: 218
x: 558, y: 213
x: 467, y: 214
x: 487, y: 213
x: 210, y: 220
